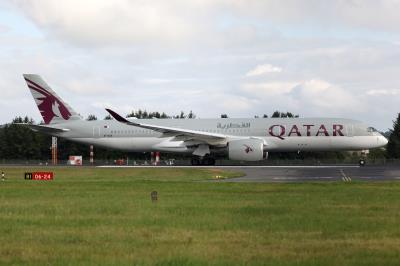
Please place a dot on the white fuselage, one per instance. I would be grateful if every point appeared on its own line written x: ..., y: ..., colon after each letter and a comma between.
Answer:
x: 279, y: 134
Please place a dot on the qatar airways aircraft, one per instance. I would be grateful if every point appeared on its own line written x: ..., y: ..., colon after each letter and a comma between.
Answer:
x: 244, y: 139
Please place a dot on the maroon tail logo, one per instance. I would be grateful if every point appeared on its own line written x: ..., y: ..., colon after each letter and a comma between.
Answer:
x: 248, y: 149
x: 50, y: 106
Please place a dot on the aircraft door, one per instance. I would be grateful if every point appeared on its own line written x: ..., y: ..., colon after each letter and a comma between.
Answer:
x: 96, y: 132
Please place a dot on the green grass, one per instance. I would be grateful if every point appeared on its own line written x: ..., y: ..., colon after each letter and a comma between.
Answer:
x: 106, y: 216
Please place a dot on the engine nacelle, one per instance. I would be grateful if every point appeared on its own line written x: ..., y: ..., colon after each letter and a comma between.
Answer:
x: 246, y: 150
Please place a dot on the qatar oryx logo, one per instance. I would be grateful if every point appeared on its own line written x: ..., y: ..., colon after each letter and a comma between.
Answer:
x: 49, y: 105
x: 247, y: 149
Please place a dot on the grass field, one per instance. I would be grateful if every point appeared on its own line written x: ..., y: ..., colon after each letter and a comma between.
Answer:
x: 106, y: 216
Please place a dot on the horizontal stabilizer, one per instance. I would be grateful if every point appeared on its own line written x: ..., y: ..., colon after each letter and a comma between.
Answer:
x: 45, y: 129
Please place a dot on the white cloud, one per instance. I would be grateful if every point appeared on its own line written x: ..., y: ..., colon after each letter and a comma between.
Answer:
x: 88, y: 86
x: 234, y: 103
x: 268, y: 88
x: 116, y: 22
x: 310, y: 97
x: 156, y: 81
x: 367, y: 14
x: 262, y: 70
x: 180, y: 23
x: 4, y: 28
x: 321, y: 95
x: 103, y: 105
x: 384, y: 92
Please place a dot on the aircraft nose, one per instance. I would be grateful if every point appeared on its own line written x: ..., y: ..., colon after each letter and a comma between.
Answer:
x: 383, y: 140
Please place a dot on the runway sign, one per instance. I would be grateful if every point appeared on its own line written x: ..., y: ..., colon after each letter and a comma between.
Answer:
x: 39, y: 176
x: 75, y: 160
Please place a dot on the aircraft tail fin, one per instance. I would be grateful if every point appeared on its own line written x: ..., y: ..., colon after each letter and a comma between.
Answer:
x: 52, y: 108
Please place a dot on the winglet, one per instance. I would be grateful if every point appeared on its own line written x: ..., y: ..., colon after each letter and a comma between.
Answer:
x: 117, y: 116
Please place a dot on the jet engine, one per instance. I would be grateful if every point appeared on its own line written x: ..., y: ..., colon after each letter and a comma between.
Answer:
x: 246, y: 150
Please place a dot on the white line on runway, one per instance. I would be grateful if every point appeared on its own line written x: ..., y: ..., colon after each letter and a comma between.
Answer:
x: 284, y: 178
x: 302, y: 178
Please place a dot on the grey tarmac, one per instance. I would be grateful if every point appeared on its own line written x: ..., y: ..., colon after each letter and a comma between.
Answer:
x: 317, y: 173
x: 262, y: 174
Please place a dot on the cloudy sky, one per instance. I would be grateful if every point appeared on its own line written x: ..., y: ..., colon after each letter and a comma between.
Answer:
x: 240, y: 57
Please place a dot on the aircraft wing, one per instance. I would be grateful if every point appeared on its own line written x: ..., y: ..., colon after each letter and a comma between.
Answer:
x: 210, y: 138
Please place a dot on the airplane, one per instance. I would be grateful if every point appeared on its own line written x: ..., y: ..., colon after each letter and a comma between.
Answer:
x: 243, y: 139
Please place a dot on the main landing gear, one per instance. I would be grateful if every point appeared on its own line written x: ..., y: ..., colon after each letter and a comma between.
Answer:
x: 206, y: 160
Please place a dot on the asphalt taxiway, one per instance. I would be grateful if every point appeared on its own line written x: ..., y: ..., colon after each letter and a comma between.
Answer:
x: 261, y: 174
x: 316, y: 173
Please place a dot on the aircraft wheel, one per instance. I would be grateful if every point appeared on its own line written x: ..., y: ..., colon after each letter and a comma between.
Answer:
x: 204, y: 161
x: 362, y: 162
x: 208, y: 161
x: 195, y: 161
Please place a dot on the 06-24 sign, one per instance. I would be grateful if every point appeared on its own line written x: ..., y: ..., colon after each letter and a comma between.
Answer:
x: 39, y: 176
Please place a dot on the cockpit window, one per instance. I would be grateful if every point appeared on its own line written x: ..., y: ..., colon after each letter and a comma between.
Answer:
x: 372, y: 129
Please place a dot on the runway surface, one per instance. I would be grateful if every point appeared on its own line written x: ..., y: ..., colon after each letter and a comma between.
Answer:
x: 345, y: 173
x: 326, y: 173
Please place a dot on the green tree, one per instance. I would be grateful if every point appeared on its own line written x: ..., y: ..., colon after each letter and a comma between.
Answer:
x: 191, y: 115
x: 91, y: 117
x: 393, y: 146
x: 139, y: 114
x: 278, y: 114
x: 19, y: 142
x: 377, y: 153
